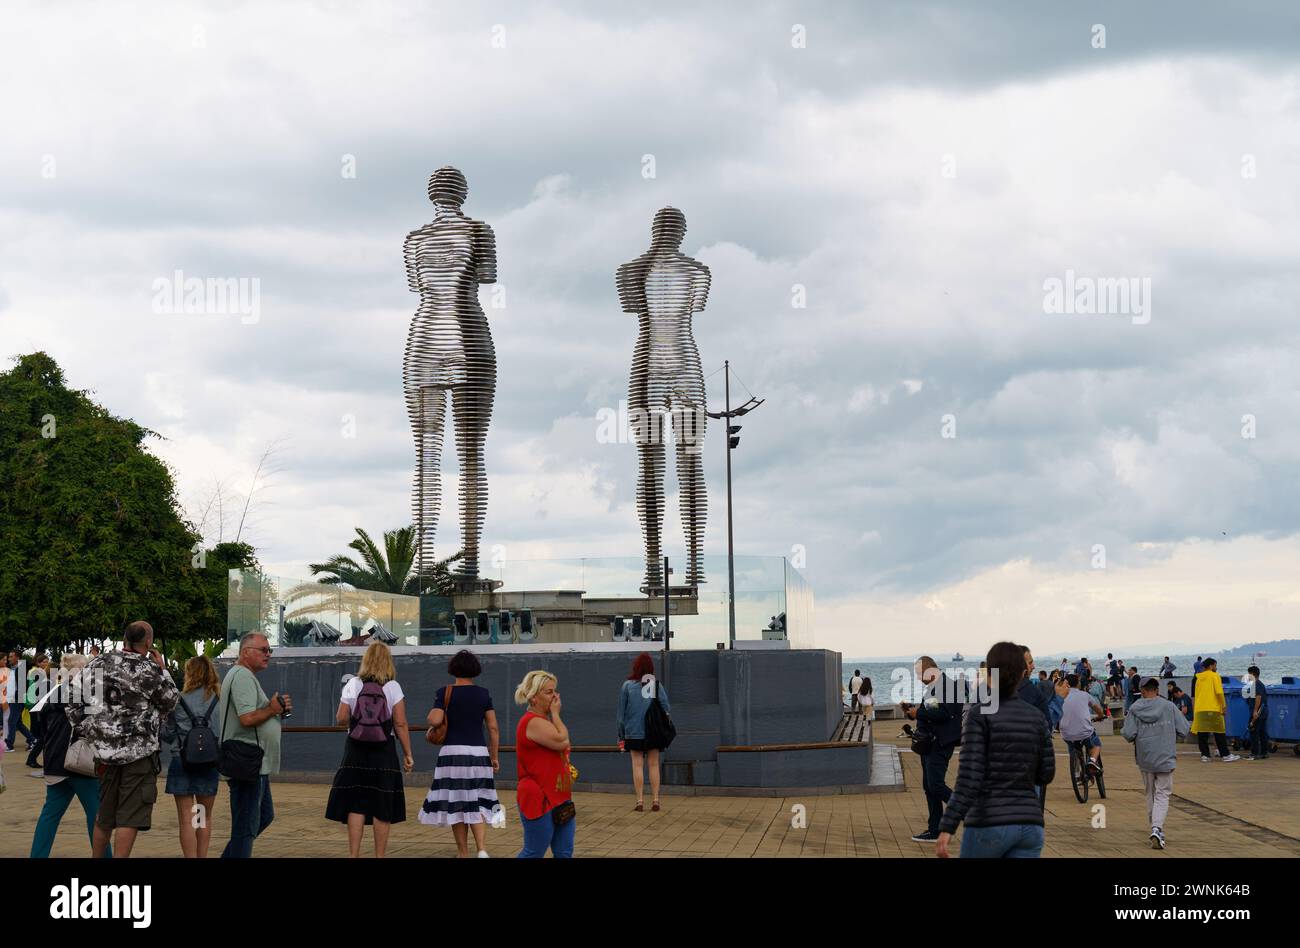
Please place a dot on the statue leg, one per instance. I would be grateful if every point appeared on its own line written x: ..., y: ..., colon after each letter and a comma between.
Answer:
x: 647, y: 432
x: 427, y: 408
x: 688, y: 428
x: 472, y: 405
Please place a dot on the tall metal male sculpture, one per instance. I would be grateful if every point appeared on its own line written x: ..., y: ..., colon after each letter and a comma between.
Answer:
x: 663, y: 287
x: 449, y: 349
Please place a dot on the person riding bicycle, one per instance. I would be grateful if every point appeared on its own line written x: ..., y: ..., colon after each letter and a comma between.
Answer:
x: 1077, y: 716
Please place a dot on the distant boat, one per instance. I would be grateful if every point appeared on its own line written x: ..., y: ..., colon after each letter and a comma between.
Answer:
x: 958, y: 657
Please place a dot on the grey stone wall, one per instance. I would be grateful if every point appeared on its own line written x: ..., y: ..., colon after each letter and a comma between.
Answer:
x: 718, y: 698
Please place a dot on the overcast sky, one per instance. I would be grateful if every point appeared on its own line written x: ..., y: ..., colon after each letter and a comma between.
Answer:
x: 923, y: 170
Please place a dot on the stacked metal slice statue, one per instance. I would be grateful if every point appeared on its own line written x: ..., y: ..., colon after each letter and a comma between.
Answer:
x: 663, y: 287
x: 449, y: 351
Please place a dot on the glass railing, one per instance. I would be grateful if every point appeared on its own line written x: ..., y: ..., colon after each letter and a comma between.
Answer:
x: 773, y: 601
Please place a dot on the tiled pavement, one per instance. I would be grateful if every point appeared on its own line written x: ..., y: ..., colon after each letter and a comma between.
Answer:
x: 1245, y: 808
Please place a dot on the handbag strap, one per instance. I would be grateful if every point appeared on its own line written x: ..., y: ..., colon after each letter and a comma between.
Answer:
x: 230, y: 700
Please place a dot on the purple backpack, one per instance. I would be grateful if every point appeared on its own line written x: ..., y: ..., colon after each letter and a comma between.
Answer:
x: 372, y: 721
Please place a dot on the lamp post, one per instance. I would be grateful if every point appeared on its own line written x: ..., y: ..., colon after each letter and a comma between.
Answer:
x: 667, y: 624
x: 733, y: 440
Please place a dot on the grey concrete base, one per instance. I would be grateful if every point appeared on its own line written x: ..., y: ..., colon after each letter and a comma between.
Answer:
x: 740, y: 698
x: 886, y: 769
x: 845, y: 765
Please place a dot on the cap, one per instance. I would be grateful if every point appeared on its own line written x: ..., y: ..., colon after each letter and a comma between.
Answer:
x: 1150, y: 683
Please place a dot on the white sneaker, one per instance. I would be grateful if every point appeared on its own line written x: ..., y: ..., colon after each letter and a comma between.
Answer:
x: 482, y: 854
x: 1157, y: 838
x: 1230, y: 758
x: 37, y: 773
x: 1205, y: 758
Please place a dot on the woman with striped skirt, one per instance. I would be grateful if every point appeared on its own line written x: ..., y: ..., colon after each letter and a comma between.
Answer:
x: 463, y: 795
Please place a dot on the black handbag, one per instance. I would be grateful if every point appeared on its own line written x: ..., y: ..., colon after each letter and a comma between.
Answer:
x: 239, y: 760
x: 924, y: 743
x: 564, y: 812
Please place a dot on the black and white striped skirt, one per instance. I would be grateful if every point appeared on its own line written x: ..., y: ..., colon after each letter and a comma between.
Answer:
x: 463, y: 789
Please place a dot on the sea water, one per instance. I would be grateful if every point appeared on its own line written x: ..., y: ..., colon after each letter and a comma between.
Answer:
x: 894, y: 681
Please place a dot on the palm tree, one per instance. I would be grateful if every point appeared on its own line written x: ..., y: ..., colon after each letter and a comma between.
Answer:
x: 391, y: 569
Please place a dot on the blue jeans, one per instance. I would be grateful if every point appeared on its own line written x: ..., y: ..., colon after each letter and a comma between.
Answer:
x: 16, y: 726
x: 58, y: 797
x: 1019, y: 841
x: 934, y: 781
x: 251, y: 813
x: 1259, y: 736
x: 542, y: 834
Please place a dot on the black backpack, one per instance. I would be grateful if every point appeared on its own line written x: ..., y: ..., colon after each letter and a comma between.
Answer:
x: 200, y: 747
x: 659, y: 729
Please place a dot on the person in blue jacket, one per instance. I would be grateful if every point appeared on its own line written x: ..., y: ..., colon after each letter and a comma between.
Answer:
x: 1037, y: 693
x: 1132, y: 688
x: 1056, y: 704
x: 634, y: 699
x: 1257, y: 703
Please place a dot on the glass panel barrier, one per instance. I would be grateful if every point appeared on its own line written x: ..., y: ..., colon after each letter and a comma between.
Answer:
x: 773, y: 601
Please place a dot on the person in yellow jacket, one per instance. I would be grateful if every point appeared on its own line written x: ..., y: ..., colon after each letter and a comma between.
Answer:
x: 1208, y: 712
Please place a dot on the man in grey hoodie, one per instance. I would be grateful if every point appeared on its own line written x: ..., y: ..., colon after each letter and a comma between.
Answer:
x: 1151, y: 726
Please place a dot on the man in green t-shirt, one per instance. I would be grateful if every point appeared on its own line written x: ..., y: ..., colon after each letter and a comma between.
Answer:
x: 254, y: 719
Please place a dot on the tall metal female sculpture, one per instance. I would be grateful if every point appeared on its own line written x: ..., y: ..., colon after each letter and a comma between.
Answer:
x: 449, y: 349
x: 663, y: 287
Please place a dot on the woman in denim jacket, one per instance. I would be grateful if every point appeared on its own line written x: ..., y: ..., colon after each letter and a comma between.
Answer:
x: 638, y: 691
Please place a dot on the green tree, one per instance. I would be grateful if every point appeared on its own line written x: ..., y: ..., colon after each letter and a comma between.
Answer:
x: 90, y: 531
x: 391, y: 569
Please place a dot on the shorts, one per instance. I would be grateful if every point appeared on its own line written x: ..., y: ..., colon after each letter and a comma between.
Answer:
x: 127, y: 793
x: 184, y: 782
x: 1093, y: 740
x: 638, y: 744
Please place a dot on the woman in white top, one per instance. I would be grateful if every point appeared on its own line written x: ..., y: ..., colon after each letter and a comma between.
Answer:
x: 866, y: 700
x: 368, y: 788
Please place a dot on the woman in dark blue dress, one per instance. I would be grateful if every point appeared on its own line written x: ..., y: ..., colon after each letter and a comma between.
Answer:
x: 463, y: 794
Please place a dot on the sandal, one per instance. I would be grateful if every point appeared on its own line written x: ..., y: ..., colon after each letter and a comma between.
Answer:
x: 640, y: 807
x: 654, y: 806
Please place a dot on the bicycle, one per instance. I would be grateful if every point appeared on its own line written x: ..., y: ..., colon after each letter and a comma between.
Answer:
x: 1081, y: 775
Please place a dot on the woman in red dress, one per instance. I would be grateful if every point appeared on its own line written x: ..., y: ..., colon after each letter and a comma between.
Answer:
x: 545, y: 776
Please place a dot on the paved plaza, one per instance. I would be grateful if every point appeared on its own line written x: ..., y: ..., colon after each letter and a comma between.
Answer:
x: 1245, y: 808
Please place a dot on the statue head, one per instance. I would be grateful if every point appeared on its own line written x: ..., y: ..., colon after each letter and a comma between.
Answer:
x: 447, y: 186
x: 668, y: 229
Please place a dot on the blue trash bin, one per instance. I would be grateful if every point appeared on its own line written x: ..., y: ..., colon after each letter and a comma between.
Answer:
x: 1283, y: 711
x: 1237, y: 717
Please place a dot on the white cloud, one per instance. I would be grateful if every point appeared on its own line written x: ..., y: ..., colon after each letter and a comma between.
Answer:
x: 820, y: 167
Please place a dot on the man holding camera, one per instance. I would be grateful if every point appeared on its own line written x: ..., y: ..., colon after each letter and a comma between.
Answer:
x: 938, y: 732
x: 247, y: 715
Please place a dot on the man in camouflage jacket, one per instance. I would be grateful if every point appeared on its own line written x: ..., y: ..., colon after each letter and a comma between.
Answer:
x: 125, y: 696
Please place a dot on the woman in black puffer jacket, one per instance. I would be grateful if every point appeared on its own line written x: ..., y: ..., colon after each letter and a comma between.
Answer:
x: 1005, y: 754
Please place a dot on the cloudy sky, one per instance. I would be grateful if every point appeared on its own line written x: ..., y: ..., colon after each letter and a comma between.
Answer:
x: 956, y: 460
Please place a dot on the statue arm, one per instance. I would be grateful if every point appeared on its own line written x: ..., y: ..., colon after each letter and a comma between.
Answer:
x: 409, y: 249
x: 485, y: 254
x: 700, y: 294
x: 625, y: 280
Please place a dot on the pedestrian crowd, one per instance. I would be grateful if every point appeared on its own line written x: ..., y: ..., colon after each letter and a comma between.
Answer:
x: 102, y: 724
x: 1006, y: 760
